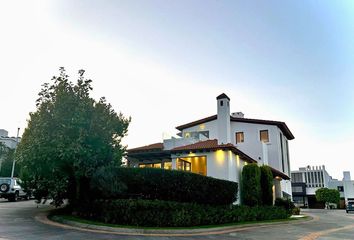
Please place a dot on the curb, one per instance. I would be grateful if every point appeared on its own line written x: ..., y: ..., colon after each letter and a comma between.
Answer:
x: 67, y: 224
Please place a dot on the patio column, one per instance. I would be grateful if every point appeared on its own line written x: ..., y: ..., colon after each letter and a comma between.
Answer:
x: 277, y: 188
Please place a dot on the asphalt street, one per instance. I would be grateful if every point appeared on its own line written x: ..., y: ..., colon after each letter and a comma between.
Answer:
x: 17, y: 221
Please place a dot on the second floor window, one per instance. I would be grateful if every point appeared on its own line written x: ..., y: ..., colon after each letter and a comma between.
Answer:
x: 239, y: 137
x: 264, y: 136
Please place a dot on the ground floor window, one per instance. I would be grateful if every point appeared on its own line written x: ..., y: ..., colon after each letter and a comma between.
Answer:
x: 184, y: 165
x: 150, y: 165
x: 164, y: 165
x: 167, y: 165
x: 193, y: 164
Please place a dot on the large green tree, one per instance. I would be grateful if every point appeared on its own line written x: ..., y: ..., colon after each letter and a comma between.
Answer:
x: 67, y: 138
x: 327, y: 196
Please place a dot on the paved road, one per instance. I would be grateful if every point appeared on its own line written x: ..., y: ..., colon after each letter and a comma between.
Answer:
x: 17, y: 222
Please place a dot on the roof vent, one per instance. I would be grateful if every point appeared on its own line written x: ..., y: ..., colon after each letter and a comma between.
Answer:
x: 238, y: 115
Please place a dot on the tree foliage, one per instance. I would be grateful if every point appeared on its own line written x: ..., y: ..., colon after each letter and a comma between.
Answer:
x: 327, y: 195
x: 6, y: 160
x: 266, y: 185
x: 67, y: 138
x: 250, y: 185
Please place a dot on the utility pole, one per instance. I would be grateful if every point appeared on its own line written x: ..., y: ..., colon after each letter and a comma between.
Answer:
x: 13, y: 162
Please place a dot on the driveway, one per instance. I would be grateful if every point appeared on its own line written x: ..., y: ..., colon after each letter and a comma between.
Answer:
x: 17, y: 221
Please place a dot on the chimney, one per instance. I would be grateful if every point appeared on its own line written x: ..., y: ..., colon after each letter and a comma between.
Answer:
x: 223, y: 121
x: 238, y: 115
x: 346, y: 176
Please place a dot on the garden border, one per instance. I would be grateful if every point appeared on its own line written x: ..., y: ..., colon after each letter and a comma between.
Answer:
x: 69, y: 224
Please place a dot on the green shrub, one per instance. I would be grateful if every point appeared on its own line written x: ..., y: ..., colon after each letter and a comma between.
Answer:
x: 287, y: 204
x: 168, y: 185
x: 155, y: 213
x: 266, y: 185
x: 251, y: 187
x: 296, y: 211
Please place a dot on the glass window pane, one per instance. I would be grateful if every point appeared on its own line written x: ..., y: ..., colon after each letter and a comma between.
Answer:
x: 167, y: 165
x: 264, y: 136
x: 239, y: 137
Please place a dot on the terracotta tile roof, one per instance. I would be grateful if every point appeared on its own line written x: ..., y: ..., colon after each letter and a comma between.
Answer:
x: 281, y: 125
x: 151, y: 147
x: 213, y: 145
x: 194, y: 123
x: 208, y: 144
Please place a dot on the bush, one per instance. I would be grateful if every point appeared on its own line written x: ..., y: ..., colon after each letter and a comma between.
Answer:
x: 168, y: 185
x: 287, y: 204
x: 266, y: 185
x: 155, y: 213
x: 251, y: 187
x: 296, y: 211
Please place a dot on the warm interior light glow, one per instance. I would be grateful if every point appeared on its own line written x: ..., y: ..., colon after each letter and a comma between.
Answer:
x: 195, y: 164
x: 238, y: 160
x: 202, y: 126
x: 191, y: 154
x: 219, y: 156
x: 167, y: 165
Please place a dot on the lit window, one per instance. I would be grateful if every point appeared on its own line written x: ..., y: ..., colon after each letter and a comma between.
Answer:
x: 264, y: 137
x: 150, y: 165
x: 187, y: 135
x: 184, y: 165
x: 239, y: 137
x: 167, y: 165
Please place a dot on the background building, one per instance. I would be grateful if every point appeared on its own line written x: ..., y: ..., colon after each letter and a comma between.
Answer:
x: 307, y: 180
x: 10, y: 142
x: 345, y: 188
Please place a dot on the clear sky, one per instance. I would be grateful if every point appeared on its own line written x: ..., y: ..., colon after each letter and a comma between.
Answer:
x: 164, y: 62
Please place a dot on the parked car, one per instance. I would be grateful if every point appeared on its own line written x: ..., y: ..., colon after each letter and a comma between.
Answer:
x: 350, y: 205
x: 11, y: 189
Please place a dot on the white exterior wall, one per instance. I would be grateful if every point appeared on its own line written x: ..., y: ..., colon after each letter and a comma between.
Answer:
x: 220, y: 164
x: 348, y: 188
x: 9, y: 142
x: 252, y: 145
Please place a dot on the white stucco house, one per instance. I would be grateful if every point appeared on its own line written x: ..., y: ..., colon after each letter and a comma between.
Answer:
x: 220, y: 145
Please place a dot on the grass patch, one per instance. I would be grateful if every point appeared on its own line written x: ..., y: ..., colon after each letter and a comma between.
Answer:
x: 91, y: 222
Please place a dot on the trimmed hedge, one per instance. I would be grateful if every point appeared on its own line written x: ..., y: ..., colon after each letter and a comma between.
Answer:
x: 168, y: 185
x: 155, y: 213
x: 266, y: 185
x: 251, y: 185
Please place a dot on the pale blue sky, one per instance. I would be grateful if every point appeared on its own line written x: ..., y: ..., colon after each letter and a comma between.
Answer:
x: 291, y: 61
x: 297, y: 53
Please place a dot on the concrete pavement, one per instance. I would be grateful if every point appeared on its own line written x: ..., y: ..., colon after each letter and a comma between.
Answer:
x: 17, y: 221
